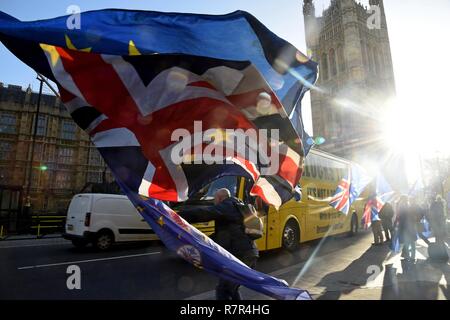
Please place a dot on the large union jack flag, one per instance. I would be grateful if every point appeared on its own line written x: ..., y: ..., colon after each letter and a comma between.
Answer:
x: 138, y: 112
x: 130, y: 78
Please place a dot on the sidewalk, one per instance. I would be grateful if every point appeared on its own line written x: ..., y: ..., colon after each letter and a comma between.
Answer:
x: 30, y: 237
x: 366, y: 272
x: 363, y: 272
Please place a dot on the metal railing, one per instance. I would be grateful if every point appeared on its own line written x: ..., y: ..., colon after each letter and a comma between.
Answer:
x: 37, y: 224
x: 3, y: 232
x: 45, y: 224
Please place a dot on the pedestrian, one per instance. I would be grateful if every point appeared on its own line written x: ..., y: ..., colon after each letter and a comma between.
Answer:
x: 386, y: 215
x: 438, y: 219
x: 377, y: 230
x: 407, y: 225
x: 229, y: 233
x: 423, y: 225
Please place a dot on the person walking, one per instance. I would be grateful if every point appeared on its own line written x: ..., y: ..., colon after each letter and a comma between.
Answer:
x: 377, y: 231
x: 229, y: 233
x: 372, y: 218
x: 407, y: 224
x: 438, y: 219
x: 386, y: 215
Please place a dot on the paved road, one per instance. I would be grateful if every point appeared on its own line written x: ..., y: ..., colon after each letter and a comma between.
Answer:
x: 332, y: 269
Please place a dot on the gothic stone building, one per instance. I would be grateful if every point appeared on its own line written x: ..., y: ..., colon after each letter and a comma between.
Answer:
x: 69, y: 160
x: 356, y: 77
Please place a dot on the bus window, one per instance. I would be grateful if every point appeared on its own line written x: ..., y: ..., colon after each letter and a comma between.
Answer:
x: 229, y: 182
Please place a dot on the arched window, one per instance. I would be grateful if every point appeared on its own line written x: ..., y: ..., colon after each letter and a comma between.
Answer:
x: 333, y: 66
x: 324, y: 67
x: 341, y: 60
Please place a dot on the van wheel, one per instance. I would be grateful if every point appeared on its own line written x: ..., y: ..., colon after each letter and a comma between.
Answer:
x: 291, y: 236
x: 353, y: 225
x: 104, y: 240
x: 79, y: 243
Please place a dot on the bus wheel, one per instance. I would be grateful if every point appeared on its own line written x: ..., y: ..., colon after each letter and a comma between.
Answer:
x: 291, y: 236
x: 353, y: 225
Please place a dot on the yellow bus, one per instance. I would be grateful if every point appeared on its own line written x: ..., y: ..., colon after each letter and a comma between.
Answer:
x: 296, y: 221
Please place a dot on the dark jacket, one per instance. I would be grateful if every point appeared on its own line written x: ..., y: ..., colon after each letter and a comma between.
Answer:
x: 407, y: 224
x: 229, y: 226
x: 386, y: 215
x: 438, y: 217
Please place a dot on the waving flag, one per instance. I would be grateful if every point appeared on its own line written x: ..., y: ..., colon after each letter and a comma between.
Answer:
x: 202, y: 252
x: 131, y: 78
x: 417, y: 188
x: 209, y: 75
x: 350, y: 188
x: 383, y: 193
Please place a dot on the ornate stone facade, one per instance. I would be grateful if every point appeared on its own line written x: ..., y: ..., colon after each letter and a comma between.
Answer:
x: 356, y: 78
x: 62, y: 149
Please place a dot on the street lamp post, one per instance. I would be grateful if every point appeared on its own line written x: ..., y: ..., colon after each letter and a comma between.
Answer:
x: 42, y: 80
x: 33, y: 139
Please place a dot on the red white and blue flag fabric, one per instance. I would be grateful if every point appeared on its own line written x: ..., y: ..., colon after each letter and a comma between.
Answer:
x: 383, y: 193
x: 131, y: 78
x: 349, y: 188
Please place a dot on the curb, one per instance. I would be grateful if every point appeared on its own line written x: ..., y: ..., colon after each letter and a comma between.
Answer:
x: 30, y: 237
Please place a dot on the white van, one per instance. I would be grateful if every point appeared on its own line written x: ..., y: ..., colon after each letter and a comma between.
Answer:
x: 103, y: 219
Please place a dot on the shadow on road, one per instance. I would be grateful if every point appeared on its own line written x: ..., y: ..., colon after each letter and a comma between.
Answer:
x: 355, y: 275
x: 419, y: 281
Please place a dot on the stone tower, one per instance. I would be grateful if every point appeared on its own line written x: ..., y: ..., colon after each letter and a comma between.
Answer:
x: 356, y: 80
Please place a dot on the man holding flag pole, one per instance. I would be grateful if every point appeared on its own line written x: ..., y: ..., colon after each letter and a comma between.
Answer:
x: 131, y: 79
x: 371, y: 217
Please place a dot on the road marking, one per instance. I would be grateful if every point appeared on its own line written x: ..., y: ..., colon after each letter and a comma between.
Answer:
x: 85, y: 261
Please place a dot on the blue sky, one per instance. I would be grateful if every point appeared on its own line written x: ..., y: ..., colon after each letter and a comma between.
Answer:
x: 419, y: 31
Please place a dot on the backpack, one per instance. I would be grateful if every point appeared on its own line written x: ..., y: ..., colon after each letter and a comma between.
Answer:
x: 253, y: 224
